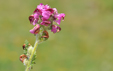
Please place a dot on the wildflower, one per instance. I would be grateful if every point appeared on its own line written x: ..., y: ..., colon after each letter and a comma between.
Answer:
x: 59, y: 17
x: 55, y: 11
x: 50, y: 10
x: 41, y: 8
x: 34, y: 19
x: 55, y: 28
x: 36, y: 29
x: 47, y: 13
x: 46, y: 23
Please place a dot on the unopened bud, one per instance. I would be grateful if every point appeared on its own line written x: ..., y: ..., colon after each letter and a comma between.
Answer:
x: 30, y: 49
x: 23, y: 46
x: 22, y: 57
x: 25, y: 62
x: 45, y: 34
x: 29, y: 44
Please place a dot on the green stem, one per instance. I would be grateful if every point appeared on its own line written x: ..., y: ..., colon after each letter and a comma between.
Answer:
x: 32, y: 54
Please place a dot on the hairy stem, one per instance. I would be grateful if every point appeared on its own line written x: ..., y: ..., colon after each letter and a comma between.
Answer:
x: 32, y: 54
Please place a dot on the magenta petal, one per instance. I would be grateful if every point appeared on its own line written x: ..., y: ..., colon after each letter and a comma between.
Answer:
x: 47, y: 7
x: 36, y: 15
x: 41, y: 6
x: 50, y: 10
x: 32, y: 31
x: 58, y: 29
x: 35, y: 21
x: 59, y: 17
x: 46, y: 23
x: 41, y: 3
x: 46, y: 14
x: 35, y: 30
x: 55, y: 11
x: 38, y: 11
x: 44, y: 19
x: 55, y: 28
x: 42, y: 23
x: 62, y: 15
x: 58, y: 21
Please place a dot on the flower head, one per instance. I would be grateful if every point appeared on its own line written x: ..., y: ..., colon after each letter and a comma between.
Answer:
x: 45, y: 15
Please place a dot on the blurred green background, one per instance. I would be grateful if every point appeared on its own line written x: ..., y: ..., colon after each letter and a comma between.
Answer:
x: 85, y: 42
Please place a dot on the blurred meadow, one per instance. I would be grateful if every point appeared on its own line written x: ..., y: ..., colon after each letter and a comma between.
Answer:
x: 85, y: 42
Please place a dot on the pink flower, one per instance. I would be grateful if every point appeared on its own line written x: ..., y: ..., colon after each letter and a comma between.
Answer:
x: 38, y: 11
x: 44, y: 10
x: 55, y: 11
x: 46, y: 13
x: 50, y: 10
x: 46, y: 6
x: 35, y: 30
x: 34, y: 19
x: 55, y: 28
x: 59, y: 17
x: 46, y: 23
x: 40, y: 8
x: 43, y: 7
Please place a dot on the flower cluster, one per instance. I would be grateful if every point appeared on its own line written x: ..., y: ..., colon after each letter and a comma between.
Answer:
x: 43, y: 18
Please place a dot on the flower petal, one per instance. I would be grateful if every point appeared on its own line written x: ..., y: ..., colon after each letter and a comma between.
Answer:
x: 59, y: 17
x: 35, y: 30
x: 46, y: 14
x: 46, y: 23
x: 55, y: 28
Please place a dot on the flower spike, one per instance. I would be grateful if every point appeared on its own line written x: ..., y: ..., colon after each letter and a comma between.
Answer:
x: 43, y: 19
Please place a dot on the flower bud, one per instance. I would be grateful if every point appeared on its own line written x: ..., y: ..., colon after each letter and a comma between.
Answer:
x: 30, y: 49
x: 45, y: 34
x: 22, y: 57
x: 25, y: 62
x: 23, y: 46
x: 29, y: 44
